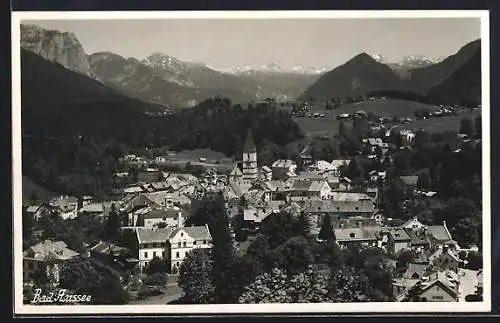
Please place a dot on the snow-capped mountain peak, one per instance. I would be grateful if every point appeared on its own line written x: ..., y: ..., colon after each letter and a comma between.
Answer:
x: 274, y: 67
x: 379, y: 57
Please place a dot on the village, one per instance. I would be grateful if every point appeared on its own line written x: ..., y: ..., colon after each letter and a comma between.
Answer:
x: 154, y: 210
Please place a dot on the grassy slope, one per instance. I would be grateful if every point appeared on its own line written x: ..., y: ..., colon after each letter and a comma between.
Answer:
x: 329, y: 124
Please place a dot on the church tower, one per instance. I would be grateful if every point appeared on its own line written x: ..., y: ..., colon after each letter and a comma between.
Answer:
x: 249, y: 159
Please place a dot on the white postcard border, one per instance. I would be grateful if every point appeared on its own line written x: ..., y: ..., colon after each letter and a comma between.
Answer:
x: 373, y: 307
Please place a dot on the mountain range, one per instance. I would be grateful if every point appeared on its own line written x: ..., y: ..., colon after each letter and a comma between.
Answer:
x: 364, y: 74
x: 173, y: 83
x: 160, y: 78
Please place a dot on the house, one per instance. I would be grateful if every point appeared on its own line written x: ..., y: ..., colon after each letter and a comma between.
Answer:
x: 66, y: 206
x: 402, y: 286
x: 46, y: 258
x: 266, y: 173
x: 310, y: 188
x: 445, y: 258
x: 407, y: 137
x: 167, y: 216
x: 113, y: 254
x: 415, y: 271
x: 236, y: 175
x: 398, y: 240
x: 133, y: 189
x: 323, y: 166
x: 171, y: 244
x: 439, y: 287
x: 440, y: 235
x: 341, y: 209
x: 365, y: 237
x: 151, y: 243
x: 375, y: 144
x: 339, y: 164
x: 413, y: 224
x: 283, y: 169
x: 185, y: 239
x: 37, y: 211
x: 92, y: 209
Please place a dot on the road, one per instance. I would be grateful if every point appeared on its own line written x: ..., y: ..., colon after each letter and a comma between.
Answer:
x: 468, y: 282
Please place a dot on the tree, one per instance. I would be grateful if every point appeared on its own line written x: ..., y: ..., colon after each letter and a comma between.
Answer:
x: 293, y: 256
x: 467, y: 126
x: 258, y: 252
x: 326, y: 231
x: 113, y: 225
x: 90, y: 277
x: 157, y: 265
x: 195, y: 278
x: 478, y: 126
x: 342, y: 130
x: 424, y: 181
x: 302, y: 225
x: 354, y: 170
x: 347, y: 285
x: 222, y: 256
x: 405, y: 258
x: 278, y: 228
x: 468, y: 230
x: 279, y: 286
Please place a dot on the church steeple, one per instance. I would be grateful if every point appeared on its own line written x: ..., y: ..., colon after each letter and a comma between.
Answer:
x: 249, y: 146
x: 249, y: 159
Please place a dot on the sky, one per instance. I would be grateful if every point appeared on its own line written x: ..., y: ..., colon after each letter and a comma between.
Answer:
x: 222, y: 43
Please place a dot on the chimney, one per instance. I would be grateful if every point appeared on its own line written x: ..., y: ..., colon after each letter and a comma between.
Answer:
x: 179, y: 219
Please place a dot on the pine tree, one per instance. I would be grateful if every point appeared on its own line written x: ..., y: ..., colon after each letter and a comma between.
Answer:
x: 222, y: 255
x: 342, y: 130
x: 326, y: 231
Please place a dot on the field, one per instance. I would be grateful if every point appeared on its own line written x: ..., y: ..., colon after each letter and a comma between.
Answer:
x: 328, y: 126
x: 213, y: 158
x: 448, y: 123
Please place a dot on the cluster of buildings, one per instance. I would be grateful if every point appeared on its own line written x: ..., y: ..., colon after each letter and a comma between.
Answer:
x: 153, y: 213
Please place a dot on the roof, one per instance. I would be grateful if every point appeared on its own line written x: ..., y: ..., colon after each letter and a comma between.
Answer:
x: 439, y: 232
x: 349, y: 196
x: 283, y: 163
x: 32, y: 208
x: 160, y: 214
x: 93, y: 208
x: 46, y: 248
x: 312, y: 185
x: 399, y: 235
x: 107, y: 247
x: 409, y: 180
x: 266, y: 169
x: 145, y: 235
x: 236, y: 171
x: 195, y: 232
x: 444, y: 280
x: 133, y: 189
x: 330, y: 206
x: 412, y: 269
x: 355, y: 234
x: 416, y: 239
x: 249, y: 145
x: 340, y: 162
x: 440, y: 251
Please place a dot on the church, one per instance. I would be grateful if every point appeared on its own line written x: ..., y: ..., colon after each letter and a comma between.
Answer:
x: 249, y: 171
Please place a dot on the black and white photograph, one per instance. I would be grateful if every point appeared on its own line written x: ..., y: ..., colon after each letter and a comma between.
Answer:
x: 223, y: 162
